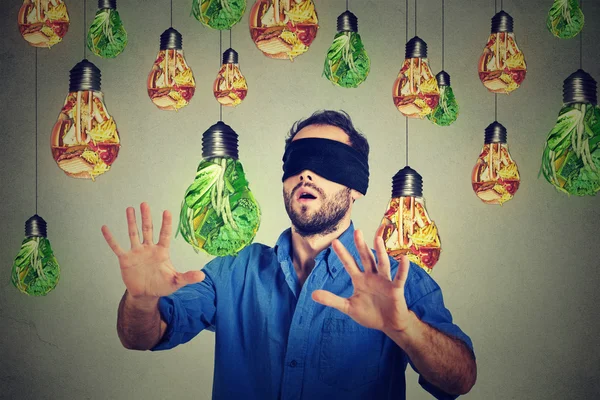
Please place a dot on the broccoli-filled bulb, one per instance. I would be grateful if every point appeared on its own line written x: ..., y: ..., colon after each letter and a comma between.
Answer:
x: 446, y: 111
x: 107, y: 37
x: 218, y: 14
x: 565, y: 19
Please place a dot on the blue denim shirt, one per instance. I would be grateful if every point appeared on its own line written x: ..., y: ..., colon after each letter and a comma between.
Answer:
x: 273, y: 341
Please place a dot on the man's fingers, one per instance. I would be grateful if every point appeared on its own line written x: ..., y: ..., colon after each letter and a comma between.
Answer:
x: 383, y: 261
x: 164, y: 239
x: 402, y: 272
x: 132, y: 228
x: 331, y: 300
x: 112, y: 243
x: 366, y: 255
x: 146, y: 223
x: 193, y: 277
x: 346, y: 258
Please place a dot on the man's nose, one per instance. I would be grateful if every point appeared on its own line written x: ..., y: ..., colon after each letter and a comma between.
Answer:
x: 306, y: 175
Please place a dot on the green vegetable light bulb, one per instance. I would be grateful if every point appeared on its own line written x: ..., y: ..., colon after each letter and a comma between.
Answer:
x: 35, y: 270
x: 571, y: 158
x: 218, y: 14
x: 565, y: 19
x: 219, y: 214
x: 107, y: 37
x: 446, y: 111
x: 347, y: 63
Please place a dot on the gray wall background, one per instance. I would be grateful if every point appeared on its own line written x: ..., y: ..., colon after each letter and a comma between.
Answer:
x: 522, y: 279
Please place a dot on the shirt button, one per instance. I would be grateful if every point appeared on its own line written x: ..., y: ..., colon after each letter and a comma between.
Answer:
x: 293, y: 363
x: 334, y: 270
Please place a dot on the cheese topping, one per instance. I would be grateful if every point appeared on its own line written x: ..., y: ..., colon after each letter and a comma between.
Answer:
x: 185, y: 78
x: 104, y: 132
x: 303, y: 13
x: 57, y: 13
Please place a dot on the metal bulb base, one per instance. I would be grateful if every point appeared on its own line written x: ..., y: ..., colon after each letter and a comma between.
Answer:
x: 407, y: 182
x: 110, y: 4
x: 171, y: 39
x: 347, y: 22
x: 495, y: 133
x: 36, y: 227
x: 220, y: 141
x: 502, y: 22
x: 580, y: 87
x: 416, y: 48
x: 84, y: 76
x: 230, y: 56
x: 443, y: 78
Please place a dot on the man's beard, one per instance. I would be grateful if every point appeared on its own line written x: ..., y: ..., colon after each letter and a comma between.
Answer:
x: 323, y: 221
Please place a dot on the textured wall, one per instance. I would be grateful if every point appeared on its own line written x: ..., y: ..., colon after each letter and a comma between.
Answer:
x: 522, y: 280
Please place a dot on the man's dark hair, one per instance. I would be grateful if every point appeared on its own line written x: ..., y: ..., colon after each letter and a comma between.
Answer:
x: 339, y: 119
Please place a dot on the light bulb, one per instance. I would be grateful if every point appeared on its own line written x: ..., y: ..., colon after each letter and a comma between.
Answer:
x: 85, y: 141
x: 35, y: 270
x: 219, y: 214
x: 283, y: 29
x: 230, y: 87
x: 222, y: 14
x: 446, y: 112
x: 415, y: 91
x: 571, y: 158
x: 171, y: 83
x: 495, y: 177
x: 502, y: 65
x: 107, y: 37
x: 565, y: 19
x: 407, y: 228
x: 43, y: 23
x: 347, y: 63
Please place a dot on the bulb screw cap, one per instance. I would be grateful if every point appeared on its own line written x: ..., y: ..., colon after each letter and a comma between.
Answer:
x: 171, y: 39
x: 580, y: 87
x: 502, y: 22
x: 84, y: 76
x: 416, y: 48
x: 36, y: 227
x: 443, y: 78
x: 110, y: 4
x: 347, y: 22
x: 230, y: 56
x: 407, y: 182
x: 495, y: 133
x: 220, y: 141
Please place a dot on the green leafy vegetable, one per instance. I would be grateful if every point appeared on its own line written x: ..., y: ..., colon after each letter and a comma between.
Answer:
x: 35, y: 271
x: 107, y: 37
x: 218, y: 14
x: 565, y: 19
x: 446, y: 112
x: 219, y: 213
x: 347, y: 63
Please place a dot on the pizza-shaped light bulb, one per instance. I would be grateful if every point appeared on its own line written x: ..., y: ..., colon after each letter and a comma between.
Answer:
x: 571, y: 158
x: 502, y: 65
x: 171, y: 83
x: 43, y: 23
x: 219, y: 214
x: 85, y: 141
x: 35, y: 271
x: 446, y: 112
x: 407, y: 228
x: 415, y: 91
x: 565, y: 19
x: 283, y: 29
x: 107, y: 37
x: 218, y: 14
x: 230, y: 87
x: 495, y: 177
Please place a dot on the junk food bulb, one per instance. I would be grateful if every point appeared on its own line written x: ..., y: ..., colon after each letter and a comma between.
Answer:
x: 171, y: 83
x: 85, y: 141
x: 407, y: 226
x: 565, y: 19
x: 446, y: 112
x: 35, y: 270
x: 347, y: 63
x: 218, y: 14
x: 219, y: 214
x: 283, y: 29
x: 230, y: 87
x: 495, y: 178
x: 415, y: 91
x: 502, y: 66
x: 571, y: 158
x: 107, y: 37
x: 43, y: 23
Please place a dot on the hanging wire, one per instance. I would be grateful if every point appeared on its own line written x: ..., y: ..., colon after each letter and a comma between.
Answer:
x: 443, y: 30
x: 495, y: 6
x: 230, y: 38
x: 171, y: 13
x: 496, y: 106
x: 581, y: 40
x: 415, y: 17
x: 84, y: 30
x: 221, y: 52
x: 406, y: 140
x: 406, y: 20
x: 36, y: 130
x: 346, y: 5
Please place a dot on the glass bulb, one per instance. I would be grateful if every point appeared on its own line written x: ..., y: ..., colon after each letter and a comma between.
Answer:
x: 222, y: 14
x: 85, y: 140
x: 107, y: 37
x: 415, y: 91
x: 565, y: 19
x: 35, y: 271
x: 495, y: 177
x: 502, y: 65
x: 230, y: 87
x: 283, y: 29
x: 171, y: 83
x: 219, y: 214
x: 43, y: 23
x: 446, y: 112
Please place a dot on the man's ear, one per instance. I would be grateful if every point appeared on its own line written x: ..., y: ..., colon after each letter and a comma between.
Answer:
x: 355, y: 195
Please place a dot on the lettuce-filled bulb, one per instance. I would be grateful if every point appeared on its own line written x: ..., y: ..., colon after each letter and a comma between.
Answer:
x: 230, y: 87
x: 565, y: 19
x: 35, y: 271
x: 43, y: 23
x: 107, y: 37
x: 571, y: 157
x: 218, y: 14
x: 347, y: 63
x: 502, y: 66
x: 171, y: 83
x: 85, y: 140
x: 407, y: 228
x: 219, y: 214
x: 446, y: 111
x: 495, y: 177
x: 415, y: 91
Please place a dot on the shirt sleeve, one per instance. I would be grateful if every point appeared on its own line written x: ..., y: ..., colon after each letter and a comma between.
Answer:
x: 189, y: 310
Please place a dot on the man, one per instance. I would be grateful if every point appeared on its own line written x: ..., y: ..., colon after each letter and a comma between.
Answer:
x: 318, y: 316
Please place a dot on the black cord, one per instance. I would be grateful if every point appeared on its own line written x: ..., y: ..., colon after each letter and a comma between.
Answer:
x: 84, y: 30
x: 171, y: 13
x: 406, y: 140
x: 495, y: 6
x: 581, y: 40
x: 406, y: 20
x: 220, y: 53
x: 346, y: 5
x: 496, y: 106
x: 415, y: 17
x: 230, y: 38
x: 36, y: 130
x: 443, y: 31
